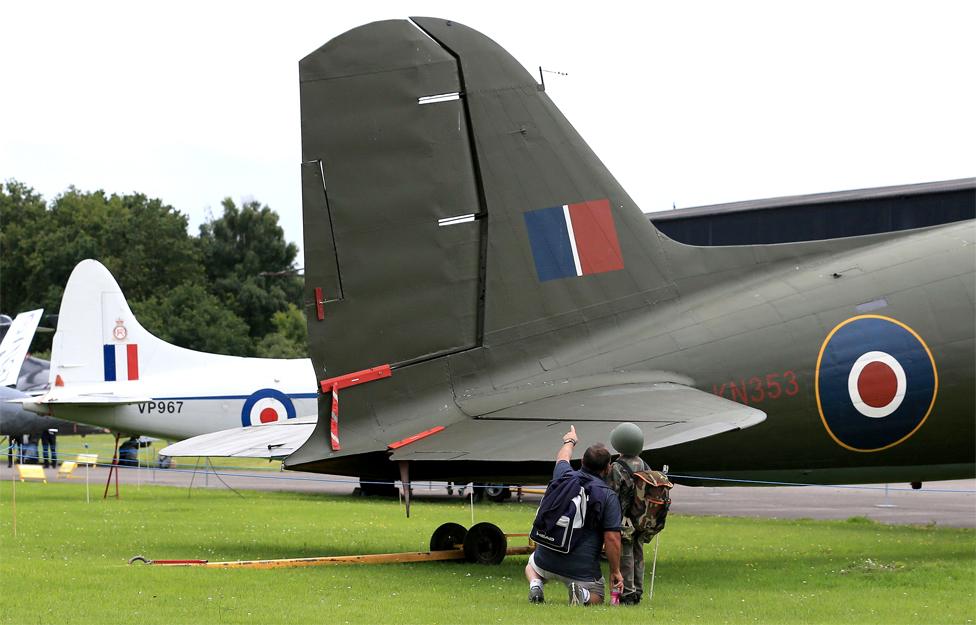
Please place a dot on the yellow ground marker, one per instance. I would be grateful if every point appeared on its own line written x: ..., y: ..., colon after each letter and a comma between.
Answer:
x: 89, y: 459
x: 31, y: 472
x: 67, y: 468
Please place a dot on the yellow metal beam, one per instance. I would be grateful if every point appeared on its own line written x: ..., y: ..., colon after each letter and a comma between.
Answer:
x: 375, y: 558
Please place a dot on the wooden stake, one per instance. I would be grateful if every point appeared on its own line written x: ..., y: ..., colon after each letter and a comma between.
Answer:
x: 114, y: 468
x: 657, y: 543
x: 13, y: 499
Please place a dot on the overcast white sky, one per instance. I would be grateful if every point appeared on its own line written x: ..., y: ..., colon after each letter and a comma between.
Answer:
x: 688, y: 103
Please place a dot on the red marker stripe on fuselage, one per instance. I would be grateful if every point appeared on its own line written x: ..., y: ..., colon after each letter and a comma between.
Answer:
x: 416, y: 437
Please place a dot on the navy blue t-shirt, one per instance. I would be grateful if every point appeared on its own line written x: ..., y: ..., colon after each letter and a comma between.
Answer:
x: 602, y: 515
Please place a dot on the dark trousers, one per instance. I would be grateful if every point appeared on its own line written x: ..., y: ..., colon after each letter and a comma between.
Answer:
x: 12, y: 451
x: 49, y: 443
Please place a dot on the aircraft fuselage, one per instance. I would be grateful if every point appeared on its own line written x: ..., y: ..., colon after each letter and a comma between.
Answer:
x: 760, y: 342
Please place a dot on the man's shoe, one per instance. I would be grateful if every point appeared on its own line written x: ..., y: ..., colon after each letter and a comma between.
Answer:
x: 577, y: 594
x: 536, y: 595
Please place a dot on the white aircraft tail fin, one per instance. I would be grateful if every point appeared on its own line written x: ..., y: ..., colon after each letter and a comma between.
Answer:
x: 98, y: 338
x: 16, y: 342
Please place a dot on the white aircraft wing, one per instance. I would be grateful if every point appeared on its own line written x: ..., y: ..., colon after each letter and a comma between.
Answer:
x: 15, y: 344
x: 274, y: 440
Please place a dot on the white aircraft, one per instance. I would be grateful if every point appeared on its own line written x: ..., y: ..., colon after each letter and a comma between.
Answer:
x: 108, y: 370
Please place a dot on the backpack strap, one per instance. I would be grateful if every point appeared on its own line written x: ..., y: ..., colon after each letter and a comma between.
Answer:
x: 626, y: 467
x: 655, y: 478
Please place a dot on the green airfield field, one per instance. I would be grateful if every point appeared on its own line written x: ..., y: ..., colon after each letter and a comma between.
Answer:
x: 104, y: 446
x: 67, y: 564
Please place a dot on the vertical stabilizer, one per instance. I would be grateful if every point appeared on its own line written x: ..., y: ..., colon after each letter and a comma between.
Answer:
x: 448, y: 203
x: 98, y: 338
x: 451, y: 213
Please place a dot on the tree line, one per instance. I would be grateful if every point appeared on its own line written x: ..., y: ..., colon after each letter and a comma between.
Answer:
x: 231, y: 289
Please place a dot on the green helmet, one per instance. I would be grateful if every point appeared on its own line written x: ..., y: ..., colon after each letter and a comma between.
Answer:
x: 627, y: 439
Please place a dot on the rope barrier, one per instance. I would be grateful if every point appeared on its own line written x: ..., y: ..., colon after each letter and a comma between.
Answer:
x: 277, y: 475
x: 806, y: 485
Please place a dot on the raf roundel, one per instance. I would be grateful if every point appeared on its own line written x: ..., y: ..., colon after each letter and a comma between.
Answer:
x: 266, y: 406
x: 876, y: 383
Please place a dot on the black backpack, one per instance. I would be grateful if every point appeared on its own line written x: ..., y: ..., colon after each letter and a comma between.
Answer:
x: 561, y: 512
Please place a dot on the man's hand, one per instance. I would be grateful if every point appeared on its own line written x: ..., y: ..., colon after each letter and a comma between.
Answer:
x: 571, y: 434
x: 617, y: 581
x: 569, y: 441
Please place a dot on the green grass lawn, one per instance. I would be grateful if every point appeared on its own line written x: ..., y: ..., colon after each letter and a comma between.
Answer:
x: 104, y: 446
x: 67, y: 565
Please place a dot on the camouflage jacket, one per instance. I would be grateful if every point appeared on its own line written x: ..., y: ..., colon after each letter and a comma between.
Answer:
x: 622, y: 484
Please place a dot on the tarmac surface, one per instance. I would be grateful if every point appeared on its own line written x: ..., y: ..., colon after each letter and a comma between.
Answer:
x: 949, y: 503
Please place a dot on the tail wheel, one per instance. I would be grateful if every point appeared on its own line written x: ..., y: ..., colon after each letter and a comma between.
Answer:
x: 485, y: 543
x: 447, y: 536
x: 477, y: 491
x: 370, y: 488
x: 497, y: 492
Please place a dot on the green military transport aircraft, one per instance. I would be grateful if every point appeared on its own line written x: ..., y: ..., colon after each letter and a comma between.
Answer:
x: 477, y: 281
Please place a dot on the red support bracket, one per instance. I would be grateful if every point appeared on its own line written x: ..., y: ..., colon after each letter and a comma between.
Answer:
x: 332, y: 386
x: 415, y: 437
x: 319, y: 304
x: 352, y: 379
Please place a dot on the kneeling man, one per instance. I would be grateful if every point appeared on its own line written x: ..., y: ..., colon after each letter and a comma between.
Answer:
x: 579, y: 568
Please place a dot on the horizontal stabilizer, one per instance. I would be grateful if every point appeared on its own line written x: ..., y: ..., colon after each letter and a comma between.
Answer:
x: 88, y: 399
x: 669, y: 414
x: 275, y: 440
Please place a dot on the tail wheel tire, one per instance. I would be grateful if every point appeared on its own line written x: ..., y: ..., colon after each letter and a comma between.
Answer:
x: 370, y: 488
x: 447, y: 536
x: 485, y: 543
x: 477, y: 491
x: 497, y: 492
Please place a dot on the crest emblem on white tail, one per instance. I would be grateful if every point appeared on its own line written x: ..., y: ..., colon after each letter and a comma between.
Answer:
x: 119, y: 331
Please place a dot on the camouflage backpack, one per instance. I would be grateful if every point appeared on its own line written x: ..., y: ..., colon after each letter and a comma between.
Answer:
x: 648, y: 510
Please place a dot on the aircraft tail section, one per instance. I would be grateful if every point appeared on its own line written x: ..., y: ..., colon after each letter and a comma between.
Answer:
x: 99, y: 339
x: 449, y: 204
